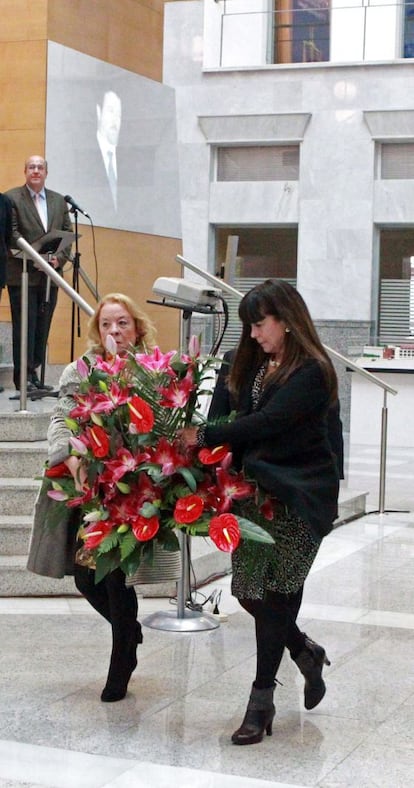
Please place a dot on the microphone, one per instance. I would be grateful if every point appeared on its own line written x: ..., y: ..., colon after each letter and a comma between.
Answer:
x: 75, y: 206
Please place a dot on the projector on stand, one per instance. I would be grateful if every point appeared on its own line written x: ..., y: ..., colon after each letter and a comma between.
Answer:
x: 175, y: 291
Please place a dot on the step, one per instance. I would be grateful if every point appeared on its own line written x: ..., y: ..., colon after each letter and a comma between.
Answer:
x: 16, y: 580
x: 21, y: 459
x: 351, y: 505
x: 15, y: 530
x: 24, y: 425
x: 18, y: 496
x: 6, y: 375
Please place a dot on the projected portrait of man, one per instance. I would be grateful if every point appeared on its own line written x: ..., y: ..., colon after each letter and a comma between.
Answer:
x: 109, y: 114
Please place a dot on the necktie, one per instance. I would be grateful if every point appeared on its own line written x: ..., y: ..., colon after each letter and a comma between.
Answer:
x: 112, y: 178
x: 39, y: 202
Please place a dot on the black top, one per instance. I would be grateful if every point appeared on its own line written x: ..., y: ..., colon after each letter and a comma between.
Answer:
x: 222, y: 403
x: 284, y: 444
x: 5, y: 235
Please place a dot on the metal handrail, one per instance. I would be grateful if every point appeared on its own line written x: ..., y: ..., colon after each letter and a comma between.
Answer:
x: 220, y: 283
x: 29, y: 252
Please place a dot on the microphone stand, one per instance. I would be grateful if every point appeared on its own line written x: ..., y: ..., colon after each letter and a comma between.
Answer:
x: 75, y: 285
x: 78, y: 271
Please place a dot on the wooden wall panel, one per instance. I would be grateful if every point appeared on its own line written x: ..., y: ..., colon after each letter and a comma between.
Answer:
x: 16, y: 145
x: 127, y: 33
x: 23, y: 20
x: 127, y: 263
x: 23, y: 84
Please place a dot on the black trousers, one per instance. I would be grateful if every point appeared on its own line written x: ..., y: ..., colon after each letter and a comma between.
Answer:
x: 118, y: 605
x: 276, y: 629
x: 39, y: 318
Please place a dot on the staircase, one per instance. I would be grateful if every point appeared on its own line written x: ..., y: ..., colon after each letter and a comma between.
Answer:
x: 23, y: 450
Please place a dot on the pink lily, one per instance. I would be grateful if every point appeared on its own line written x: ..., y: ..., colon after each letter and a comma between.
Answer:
x: 155, y: 361
x: 82, y: 368
x: 112, y: 367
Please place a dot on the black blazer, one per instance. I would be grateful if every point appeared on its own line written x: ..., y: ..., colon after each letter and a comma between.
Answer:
x: 222, y: 404
x: 284, y: 444
x: 5, y: 235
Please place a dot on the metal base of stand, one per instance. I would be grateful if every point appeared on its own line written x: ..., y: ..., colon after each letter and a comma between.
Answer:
x: 34, y: 395
x: 192, y: 621
x: 182, y: 619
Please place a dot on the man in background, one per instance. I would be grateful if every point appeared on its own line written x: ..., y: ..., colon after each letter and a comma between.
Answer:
x: 35, y: 211
x: 5, y: 240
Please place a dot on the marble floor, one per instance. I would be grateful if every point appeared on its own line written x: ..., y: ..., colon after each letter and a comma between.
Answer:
x: 189, y: 692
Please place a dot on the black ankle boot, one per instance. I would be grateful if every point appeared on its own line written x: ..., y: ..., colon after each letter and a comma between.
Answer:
x: 258, y: 718
x: 310, y: 662
x: 121, y: 669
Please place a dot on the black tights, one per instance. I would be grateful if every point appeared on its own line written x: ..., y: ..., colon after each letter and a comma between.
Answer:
x: 275, y: 621
x: 118, y: 604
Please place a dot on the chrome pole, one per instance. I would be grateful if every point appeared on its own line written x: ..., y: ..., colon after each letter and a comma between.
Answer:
x: 23, y: 336
x: 383, y: 455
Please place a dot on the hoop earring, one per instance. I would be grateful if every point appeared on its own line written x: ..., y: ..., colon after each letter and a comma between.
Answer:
x: 287, y: 330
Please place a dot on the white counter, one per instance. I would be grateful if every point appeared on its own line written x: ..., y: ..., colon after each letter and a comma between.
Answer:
x: 367, y: 401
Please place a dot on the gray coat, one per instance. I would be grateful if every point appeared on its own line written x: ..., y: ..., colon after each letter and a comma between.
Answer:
x: 51, y: 551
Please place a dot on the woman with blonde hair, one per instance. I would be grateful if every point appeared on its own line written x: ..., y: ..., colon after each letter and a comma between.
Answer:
x: 51, y: 550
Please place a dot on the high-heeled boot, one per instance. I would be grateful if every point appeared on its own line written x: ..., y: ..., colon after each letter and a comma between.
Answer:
x: 122, y: 666
x: 258, y: 718
x: 310, y: 662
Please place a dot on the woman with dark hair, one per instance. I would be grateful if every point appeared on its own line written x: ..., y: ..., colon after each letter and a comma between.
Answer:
x: 283, y: 383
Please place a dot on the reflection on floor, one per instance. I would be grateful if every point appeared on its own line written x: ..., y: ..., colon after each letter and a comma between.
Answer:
x: 190, y: 689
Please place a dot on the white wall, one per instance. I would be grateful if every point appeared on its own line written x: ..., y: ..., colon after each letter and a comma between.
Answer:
x: 236, y: 31
x: 337, y: 201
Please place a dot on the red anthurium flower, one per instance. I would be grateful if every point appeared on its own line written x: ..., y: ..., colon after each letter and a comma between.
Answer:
x: 97, y: 533
x: 141, y: 414
x: 144, y: 528
x: 224, y: 531
x: 214, y: 455
x: 98, y: 440
x: 57, y: 470
x: 188, y: 509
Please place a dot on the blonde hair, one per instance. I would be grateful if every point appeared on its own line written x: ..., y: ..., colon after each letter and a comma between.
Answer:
x: 146, y: 331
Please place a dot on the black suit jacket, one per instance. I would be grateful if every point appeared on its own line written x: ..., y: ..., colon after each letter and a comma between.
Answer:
x: 5, y: 235
x: 26, y: 223
x: 284, y: 444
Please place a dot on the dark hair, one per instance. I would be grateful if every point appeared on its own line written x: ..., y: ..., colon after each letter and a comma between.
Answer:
x: 278, y: 298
